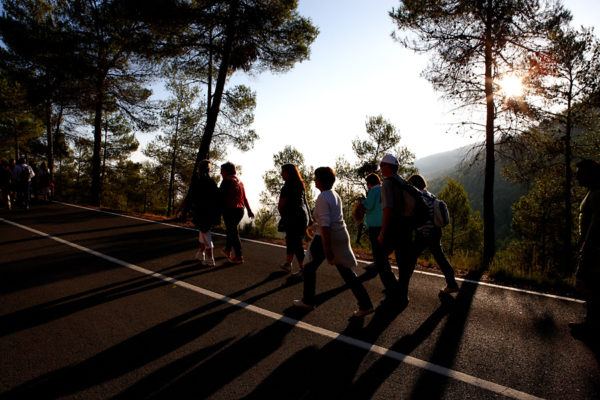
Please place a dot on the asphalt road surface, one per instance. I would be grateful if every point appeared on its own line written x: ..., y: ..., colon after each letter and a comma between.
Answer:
x: 96, y: 305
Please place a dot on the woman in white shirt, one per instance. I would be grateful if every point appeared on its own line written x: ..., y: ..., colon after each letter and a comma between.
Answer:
x: 332, y: 243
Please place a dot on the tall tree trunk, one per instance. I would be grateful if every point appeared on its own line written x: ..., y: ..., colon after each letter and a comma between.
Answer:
x: 568, y: 179
x: 174, y: 147
x: 96, y: 182
x: 489, y: 237
x: 49, y: 138
x: 213, y: 112
x: 17, y: 149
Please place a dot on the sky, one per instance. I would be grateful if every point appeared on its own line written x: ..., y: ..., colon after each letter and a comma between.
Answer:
x: 355, y: 70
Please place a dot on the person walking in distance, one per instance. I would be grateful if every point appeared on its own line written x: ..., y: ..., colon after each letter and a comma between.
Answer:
x: 396, y: 229
x: 294, y: 212
x: 202, y: 199
x: 430, y: 236
x: 587, y: 277
x: 233, y: 201
x: 332, y: 243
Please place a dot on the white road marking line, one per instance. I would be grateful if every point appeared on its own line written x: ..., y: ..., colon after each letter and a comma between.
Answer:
x: 416, y: 362
x: 512, y: 289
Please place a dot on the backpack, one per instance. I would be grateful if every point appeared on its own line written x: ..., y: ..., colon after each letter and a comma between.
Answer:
x: 24, y: 174
x: 358, y: 211
x: 415, y: 207
x: 441, y: 216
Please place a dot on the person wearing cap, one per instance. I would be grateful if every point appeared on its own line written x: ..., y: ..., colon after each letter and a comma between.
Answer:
x: 395, y: 235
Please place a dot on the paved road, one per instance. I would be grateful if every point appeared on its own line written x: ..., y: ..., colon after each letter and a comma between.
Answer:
x: 96, y: 305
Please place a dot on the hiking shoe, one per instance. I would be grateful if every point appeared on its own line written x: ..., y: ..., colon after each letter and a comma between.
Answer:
x: 209, y: 262
x: 301, y: 304
x: 237, y: 260
x: 226, y: 253
x: 286, y: 266
x: 369, y: 266
x: 362, y: 313
x: 299, y: 273
x: 449, y: 289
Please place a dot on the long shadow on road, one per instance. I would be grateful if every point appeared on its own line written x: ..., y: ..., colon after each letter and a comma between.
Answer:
x: 431, y: 385
x: 59, y: 308
x: 139, y: 350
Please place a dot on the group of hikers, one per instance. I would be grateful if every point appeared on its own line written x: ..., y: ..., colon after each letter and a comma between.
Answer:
x: 20, y: 180
x: 401, y: 215
x: 392, y: 208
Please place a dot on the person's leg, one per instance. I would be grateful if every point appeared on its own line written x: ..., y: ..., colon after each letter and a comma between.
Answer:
x: 359, y: 291
x: 236, y: 243
x: 228, y: 219
x: 435, y: 246
x: 405, y: 258
x: 310, y: 270
x: 382, y: 263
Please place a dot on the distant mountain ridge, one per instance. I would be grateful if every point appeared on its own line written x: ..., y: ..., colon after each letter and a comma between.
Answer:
x: 457, y: 164
x: 440, y: 164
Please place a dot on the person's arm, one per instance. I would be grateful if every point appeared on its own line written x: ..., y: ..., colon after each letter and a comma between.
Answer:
x: 591, y: 237
x: 246, y: 204
x: 387, y: 216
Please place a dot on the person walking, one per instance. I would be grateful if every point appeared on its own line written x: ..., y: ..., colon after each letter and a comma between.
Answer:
x: 44, y: 182
x: 202, y: 200
x: 294, y: 212
x: 373, y: 221
x: 5, y: 184
x: 396, y: 230
x: 587, y: 277
x: 430, y: 236
x: 233, y: 201
x: 332, y: 243
x: 22, y: 175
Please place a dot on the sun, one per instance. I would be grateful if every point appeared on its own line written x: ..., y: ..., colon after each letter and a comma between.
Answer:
x: 511, y: 85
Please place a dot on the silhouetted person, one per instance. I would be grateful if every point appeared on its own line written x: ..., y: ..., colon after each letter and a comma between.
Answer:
x: 588, y: 271
x: 396, y: 229
x: 203, y: 200
x: 430, y: 236
x: 331, y: 243
x: 294, y: 212
x: 233, y: 202
x: 22, y: 175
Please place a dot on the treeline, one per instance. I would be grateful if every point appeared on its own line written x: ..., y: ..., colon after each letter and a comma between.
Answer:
x: 75, y: 82
x: 76, y: 77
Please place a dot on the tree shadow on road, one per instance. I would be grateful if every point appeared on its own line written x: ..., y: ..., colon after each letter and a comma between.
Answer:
x: 431, y: 385
x: 62, y: 307
x: 139, y: 350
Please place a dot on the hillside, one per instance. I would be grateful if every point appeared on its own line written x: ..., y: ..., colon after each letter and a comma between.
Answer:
x: 456, y: 164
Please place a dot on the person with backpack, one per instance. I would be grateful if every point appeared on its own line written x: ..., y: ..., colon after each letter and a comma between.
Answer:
x: 429, y: 235
x: 233, y: 202
x: 403, y: 209
x: 22, y: 175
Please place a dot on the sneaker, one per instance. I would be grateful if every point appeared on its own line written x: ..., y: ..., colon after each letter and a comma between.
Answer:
x: 200, y: 255
x: 209, y: 262
x: 369, y: 266
x: 362, y: 313
x: 237, y: 260
x: 286, y: 267
x: 449, y: 289
x: 226, y: 253
x: 301, y: 304
x: 299, y: 273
